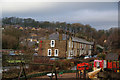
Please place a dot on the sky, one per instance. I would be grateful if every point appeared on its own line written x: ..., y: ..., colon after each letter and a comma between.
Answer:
x: 100, y: 15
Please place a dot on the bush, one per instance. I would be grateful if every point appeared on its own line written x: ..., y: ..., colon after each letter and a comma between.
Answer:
x: 64, y: 64
x: 39, y: 68
x: 101, y: 56
x: 12, y: 73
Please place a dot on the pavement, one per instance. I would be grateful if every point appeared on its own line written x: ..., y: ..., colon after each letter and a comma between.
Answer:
x: 65, y: 76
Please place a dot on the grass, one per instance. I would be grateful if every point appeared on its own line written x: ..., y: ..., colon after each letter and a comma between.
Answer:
x: 15, y: 61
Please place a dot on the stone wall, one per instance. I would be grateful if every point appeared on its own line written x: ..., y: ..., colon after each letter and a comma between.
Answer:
x: 59, y: 44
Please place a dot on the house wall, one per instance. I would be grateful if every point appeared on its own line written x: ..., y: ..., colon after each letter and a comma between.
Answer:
x: 73, y: 48
x: 69, y: 47
x: 77, y: 48
x: 46, y: 44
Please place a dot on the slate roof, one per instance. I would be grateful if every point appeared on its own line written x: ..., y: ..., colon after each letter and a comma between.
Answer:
x: 112, y: 56
x: 55, y: 36
x: 100, y: 46
x: 81, y: 40
x: 31, y: 43
x: 43, y: 38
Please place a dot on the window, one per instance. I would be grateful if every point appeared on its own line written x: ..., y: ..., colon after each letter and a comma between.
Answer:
x: 56, y: 52
x: 52, y: 43
x: 75, y: 45
x: 49, y: 52
x: 80, y: 45
x: 69, y: 43
x: 80, y: 52
x: 89, y: 52
x: 71, y: 53
x: 72, y: 44
x: 84, y: 46
x: 75, y: 52
x: 90, y: 47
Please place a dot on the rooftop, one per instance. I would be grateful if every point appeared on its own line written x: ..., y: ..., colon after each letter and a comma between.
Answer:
x: 55, y: 36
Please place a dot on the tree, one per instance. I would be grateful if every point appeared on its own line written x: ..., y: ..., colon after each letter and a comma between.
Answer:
x: 11, y: 38
x: 9, y: 42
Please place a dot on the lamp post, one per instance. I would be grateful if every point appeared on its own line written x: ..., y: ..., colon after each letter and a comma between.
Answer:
x: 105, y: 45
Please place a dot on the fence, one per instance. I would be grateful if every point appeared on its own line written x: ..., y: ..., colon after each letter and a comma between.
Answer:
x: 27, y: 66
x: 108, y: 65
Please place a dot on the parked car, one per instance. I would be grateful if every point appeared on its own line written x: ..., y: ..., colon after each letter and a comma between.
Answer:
x: 86, y: 57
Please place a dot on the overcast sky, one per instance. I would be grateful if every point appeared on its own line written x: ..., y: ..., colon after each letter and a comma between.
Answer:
x: 100, y: 15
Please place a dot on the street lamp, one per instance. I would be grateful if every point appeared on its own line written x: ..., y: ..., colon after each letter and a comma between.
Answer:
x: 105, y: 45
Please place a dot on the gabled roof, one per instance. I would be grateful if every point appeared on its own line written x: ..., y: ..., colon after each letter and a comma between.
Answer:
x: 55, y: 36
x: 81, y: 40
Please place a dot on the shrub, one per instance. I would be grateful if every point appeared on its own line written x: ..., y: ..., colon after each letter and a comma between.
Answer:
x: 12, y: 73
x: 101, y: 56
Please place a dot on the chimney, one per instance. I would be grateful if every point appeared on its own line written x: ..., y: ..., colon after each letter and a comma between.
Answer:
x: 60, y: 34
x: 47, y: 34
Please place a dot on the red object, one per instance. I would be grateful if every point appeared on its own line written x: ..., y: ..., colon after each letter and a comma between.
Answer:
x: 118, y: 65
x: 109, y: 66
x: 100, y: 62
x: 40, y: 45
x: 40, y: 41
x: 81, y: 66
x: 114, y: 64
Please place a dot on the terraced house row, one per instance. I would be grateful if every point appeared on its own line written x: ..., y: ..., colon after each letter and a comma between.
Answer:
x: 64, y: 46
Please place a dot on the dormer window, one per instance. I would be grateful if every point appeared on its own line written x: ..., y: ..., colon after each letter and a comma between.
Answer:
x: 49, y: 52
x: 52, y: 43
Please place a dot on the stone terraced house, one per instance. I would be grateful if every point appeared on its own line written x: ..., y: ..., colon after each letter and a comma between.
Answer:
x: 64, y: 46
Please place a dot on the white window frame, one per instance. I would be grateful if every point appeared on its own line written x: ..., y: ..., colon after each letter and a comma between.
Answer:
x: 71, y: 53
x: 72, y: 44
x: 55, y: 52
x: 69, y: 43
x: 89, y: 52
x: 75, y: 45
x: 50, y: 53
x: 53, y: 43
x: 75, y: 52
x: 80, y: 45
x: 90, y: 47
x: 80, y: 52
x: 31, y: 40
x: 84, y: 46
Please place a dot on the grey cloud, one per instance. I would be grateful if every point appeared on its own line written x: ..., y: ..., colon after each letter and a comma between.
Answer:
x: 93, y: 13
